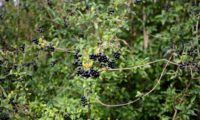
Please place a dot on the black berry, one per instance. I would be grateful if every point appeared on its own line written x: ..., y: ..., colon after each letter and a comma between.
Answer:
x: 102, y: 58
x: 111, y: 11
x: 93, y: 56
x: 77, y: 55
x: 138, y: 1
x: 77, y: 62
x: 35, y: 40
x: 22, y: 47
x: 12, y: 102
x: 94, y: 73
x: 49, y: 3
x: 86, y: 73
x: 65, y: 22
x: 50, y: 47
x: 111, y: 64
x: 116, y: 55
x: 83, y: 101
x: 181, y: 65
x: 66, y: 117
x: 4, y: 116
x: 79, y: 71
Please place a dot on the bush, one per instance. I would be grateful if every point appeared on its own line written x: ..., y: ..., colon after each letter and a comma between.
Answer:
x: 115, y: 59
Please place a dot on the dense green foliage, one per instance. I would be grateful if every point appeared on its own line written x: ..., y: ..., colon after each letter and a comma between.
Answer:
x: 38, y: 71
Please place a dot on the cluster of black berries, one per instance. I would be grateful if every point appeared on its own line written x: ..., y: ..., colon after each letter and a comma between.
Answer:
x: 192, y: 55
x: 104, y: 60
x: 116, y: 55
x: 77, y: 58
x: 83, y: 101
x: 101, y: 59
x: 65, y: 22
x: 12, y: 102
x: 49, y: 3
x: 88, y: 73
x: 4, y: 116
x: 192, y: 52
x: 49, y: 47
x: 191, y: 64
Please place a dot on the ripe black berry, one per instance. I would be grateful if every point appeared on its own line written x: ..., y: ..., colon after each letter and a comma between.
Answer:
x: 35, y: 40
x: 190, y: 52
x: 181, y: 65
x: 116, y: 55
x: 65, y: 22
x: 50, y: 47
x: 94, y: 73
x: 22, y: 47
x: 4, y: 116
x: 1, y: 109
x: 111, y: 11
x: 93, y: 56
x: 1, y: 16
x: 77, y: 55
x: 138, y: 1
x: 1, y: 62
x: 79, y: 71
x: 102, y: 58
x: 77, y: 62
x: 53, y: 63
x: 83, y: 101
x: 180, y: 52
x: 111, y: 64
x: 49, y: 3
x: 86, y: 73
x: 66, y: 117
x: 12, y: 102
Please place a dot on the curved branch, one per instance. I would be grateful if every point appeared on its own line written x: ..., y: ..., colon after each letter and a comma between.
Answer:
x: 147, y: 93
x: 152, y: 62
x: 117, y: 105
x: 3, y: 91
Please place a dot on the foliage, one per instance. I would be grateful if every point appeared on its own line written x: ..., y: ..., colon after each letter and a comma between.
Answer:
x: 154, y: 46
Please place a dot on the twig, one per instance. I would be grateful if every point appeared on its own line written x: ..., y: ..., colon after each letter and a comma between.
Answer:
x: 152, y: 62
x: 117, y: 105
x: 63, y: 50
x: 175, y: 113
x: 183, y: 96
x: 158, y: 81
x: 3, y: 91
x: 142, y: 96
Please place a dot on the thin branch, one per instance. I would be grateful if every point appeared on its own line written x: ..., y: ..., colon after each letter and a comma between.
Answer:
x: 63, y: 50
x: 142, y: 96
x: 175, y: 113
x: 158, y: 81
x: 117, y: 105
x: 143, y: 65
x: 3, y: 91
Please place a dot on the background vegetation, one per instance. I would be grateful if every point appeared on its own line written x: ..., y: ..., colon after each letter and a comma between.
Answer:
x: 156, y: 76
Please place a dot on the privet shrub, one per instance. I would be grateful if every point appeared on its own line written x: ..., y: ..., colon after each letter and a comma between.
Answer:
x: 99, y: 60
